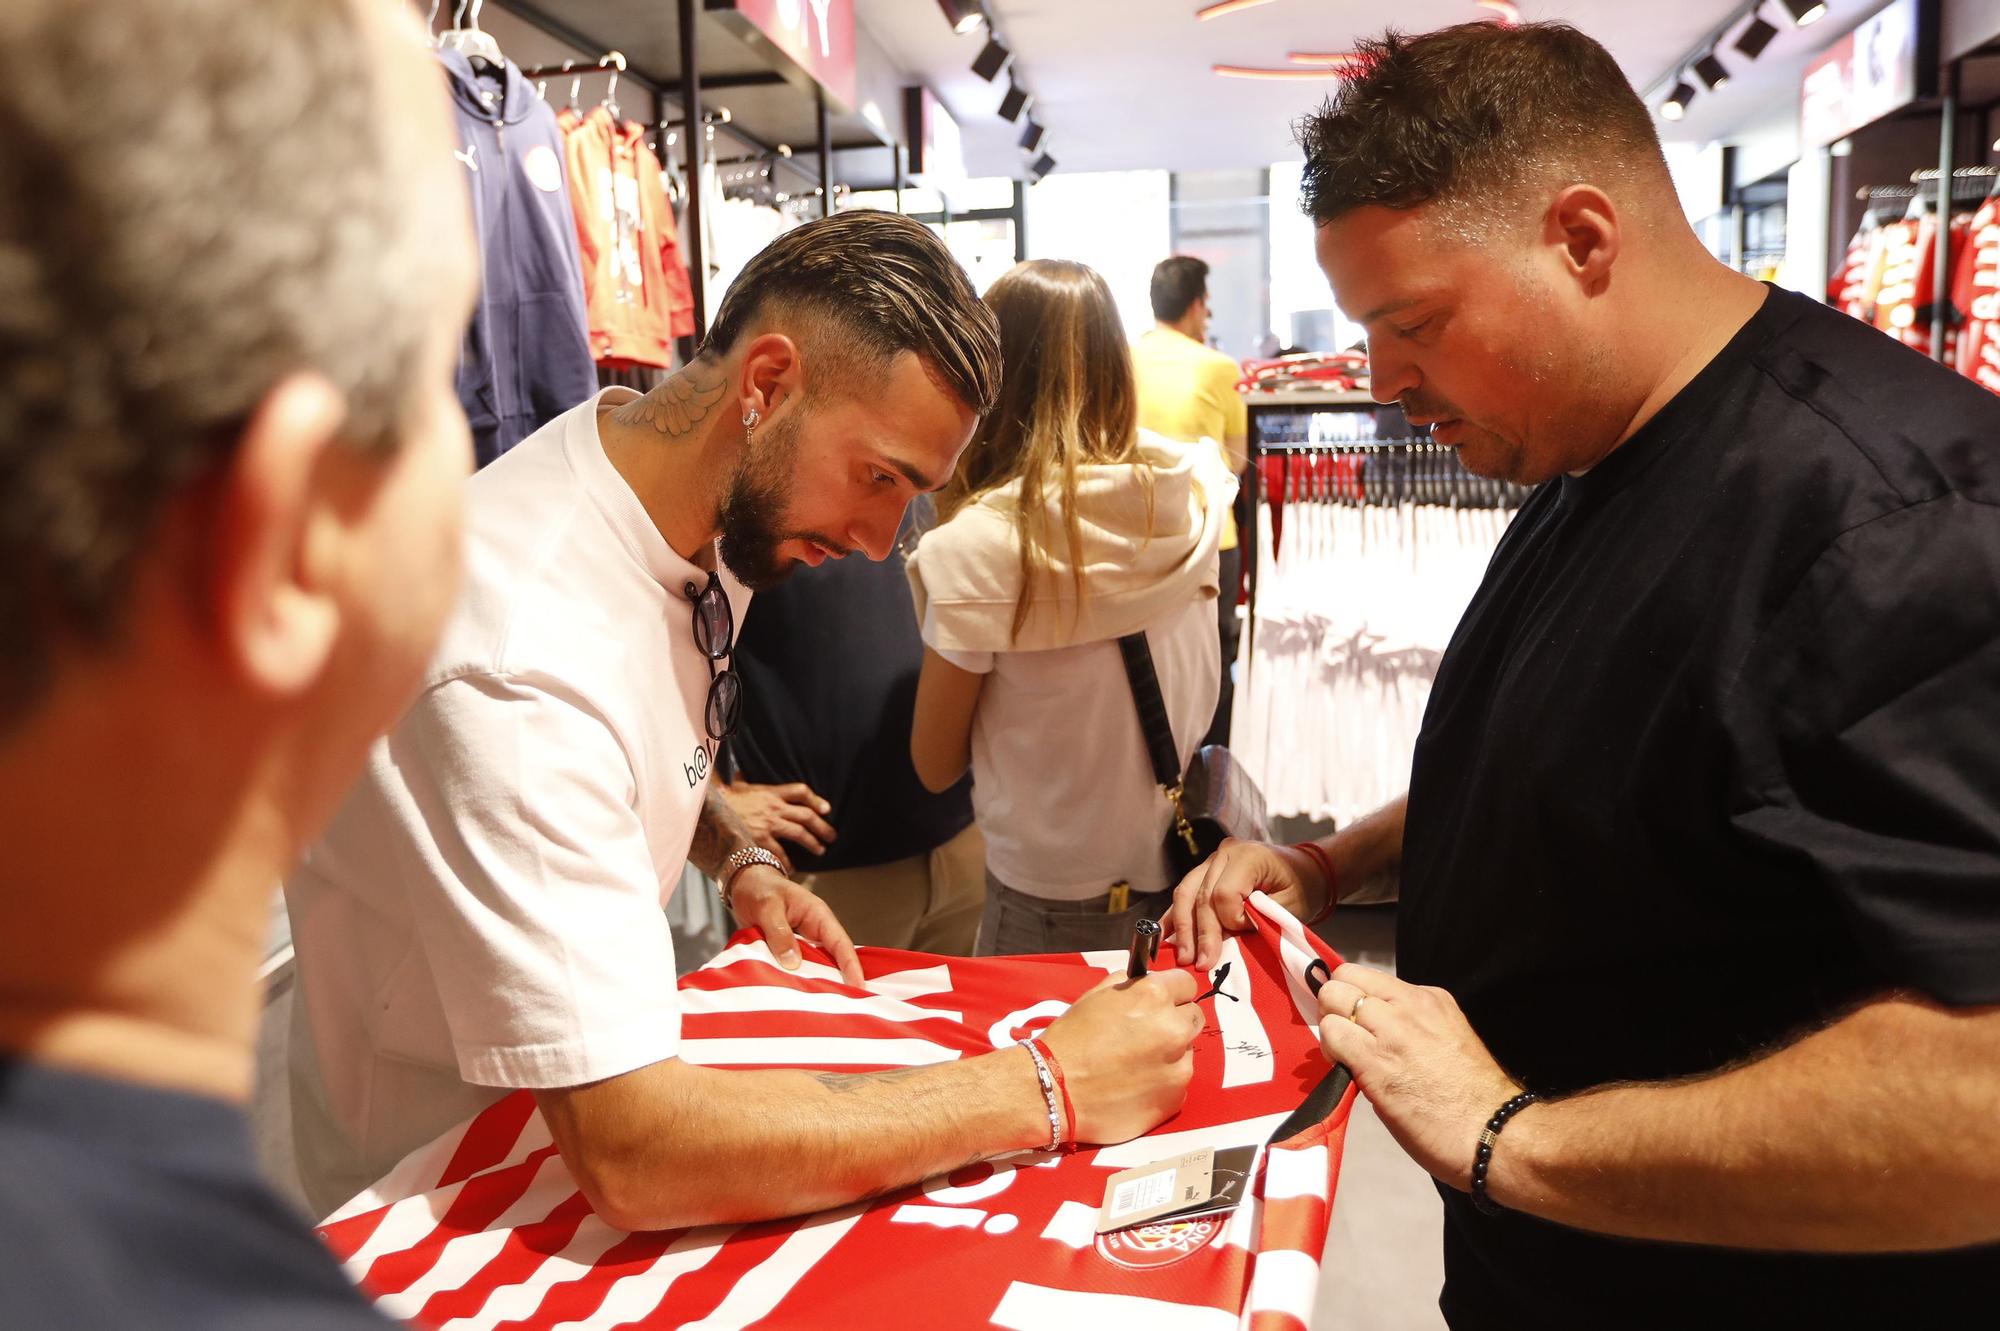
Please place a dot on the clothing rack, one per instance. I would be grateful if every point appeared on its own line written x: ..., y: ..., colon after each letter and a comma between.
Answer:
x: 1391, y: 472
x: 688, y: 19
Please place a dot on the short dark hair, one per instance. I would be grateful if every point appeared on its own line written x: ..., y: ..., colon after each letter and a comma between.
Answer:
x: 879, y: 284
x: 1177, y: 284
x: 1470, y: 112
x: 197, y: 197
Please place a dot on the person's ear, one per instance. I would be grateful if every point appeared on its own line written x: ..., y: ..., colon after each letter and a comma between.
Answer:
x: 1582, y: 223
x: 771, y: 373
x: 273, y: 548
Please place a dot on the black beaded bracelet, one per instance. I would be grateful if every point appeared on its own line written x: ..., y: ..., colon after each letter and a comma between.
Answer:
x: 1482, y: 1159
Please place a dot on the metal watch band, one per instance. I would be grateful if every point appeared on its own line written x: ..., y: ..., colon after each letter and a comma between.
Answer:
x: 737, y: 862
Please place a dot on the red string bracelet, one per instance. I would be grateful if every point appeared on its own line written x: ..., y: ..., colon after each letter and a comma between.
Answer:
x: 1062, y: 1087
x: 1320, y: 858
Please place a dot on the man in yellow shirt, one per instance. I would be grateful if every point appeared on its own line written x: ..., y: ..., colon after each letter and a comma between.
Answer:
x: 1188, y: 391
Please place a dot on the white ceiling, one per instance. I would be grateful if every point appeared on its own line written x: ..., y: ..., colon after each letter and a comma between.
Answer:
x: 1126, y: 84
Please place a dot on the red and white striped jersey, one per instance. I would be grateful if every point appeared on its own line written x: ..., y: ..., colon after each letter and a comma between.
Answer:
x: 485, y: 1228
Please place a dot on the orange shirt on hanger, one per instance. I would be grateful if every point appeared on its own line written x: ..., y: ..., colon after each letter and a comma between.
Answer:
x: 634, y: 280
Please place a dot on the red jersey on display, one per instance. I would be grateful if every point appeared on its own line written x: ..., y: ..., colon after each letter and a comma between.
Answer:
x: 1976, y: 292
x: 485, y: 1228
x: 634, y: 280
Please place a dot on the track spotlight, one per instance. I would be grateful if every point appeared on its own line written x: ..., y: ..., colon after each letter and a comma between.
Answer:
x: 1804, y: 11
x: 1043, y: 165
x: 992, y: 58
x: 1677, y: 101
x: 963, y: 15
x: 1711, y: 71
x: 1755, y: 38
x: 1031, y: 137
x: 1015, y: 102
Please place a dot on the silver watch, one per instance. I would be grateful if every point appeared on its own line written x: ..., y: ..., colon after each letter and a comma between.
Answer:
x: 737, y: 862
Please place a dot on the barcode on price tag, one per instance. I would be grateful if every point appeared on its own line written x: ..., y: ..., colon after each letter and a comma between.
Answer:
x: 1161, y: 1188
x: 1142, y: 1194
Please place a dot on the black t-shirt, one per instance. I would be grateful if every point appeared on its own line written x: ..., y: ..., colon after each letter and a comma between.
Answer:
x: 1713, y: 756
x: 122, y: 1207
x: 829, y: 659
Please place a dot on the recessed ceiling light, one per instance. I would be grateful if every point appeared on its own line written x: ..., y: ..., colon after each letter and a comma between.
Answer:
x: 992, y: 58
x: 1756, y: 37
x: 963, y: 15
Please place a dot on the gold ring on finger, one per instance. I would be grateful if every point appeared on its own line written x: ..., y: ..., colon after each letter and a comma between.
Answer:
x: 1354, y: 1013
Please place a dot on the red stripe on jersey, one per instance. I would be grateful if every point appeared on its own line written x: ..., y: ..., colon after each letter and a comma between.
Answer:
x: 1008, y: 1243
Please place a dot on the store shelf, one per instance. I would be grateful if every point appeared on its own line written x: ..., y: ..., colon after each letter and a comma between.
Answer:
x: 735, y: 68
x: 1309, y: 397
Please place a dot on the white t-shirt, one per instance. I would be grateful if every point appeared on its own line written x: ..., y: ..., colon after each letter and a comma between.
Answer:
x: 485, y: 911
x: 1061, y: 781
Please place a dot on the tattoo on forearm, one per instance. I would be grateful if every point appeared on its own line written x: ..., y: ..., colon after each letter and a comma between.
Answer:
x: 679, y: 405
x: 718, y: 833
x: 846, y: 1083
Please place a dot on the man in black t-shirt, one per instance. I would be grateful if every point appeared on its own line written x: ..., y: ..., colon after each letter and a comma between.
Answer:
x: 1702, y: 844
x: 235, y: 261
x: 829, y: 660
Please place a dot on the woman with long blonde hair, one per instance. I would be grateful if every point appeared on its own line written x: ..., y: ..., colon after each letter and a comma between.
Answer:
x: 1064, y: 529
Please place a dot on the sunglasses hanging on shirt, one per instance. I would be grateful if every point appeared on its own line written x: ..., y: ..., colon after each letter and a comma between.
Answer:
x: 715, y: 636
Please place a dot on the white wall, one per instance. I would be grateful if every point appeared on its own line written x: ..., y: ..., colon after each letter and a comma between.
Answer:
x: 1115, y: 221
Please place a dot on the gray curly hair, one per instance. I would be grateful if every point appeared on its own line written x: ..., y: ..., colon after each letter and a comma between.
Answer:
x: 197, y: 198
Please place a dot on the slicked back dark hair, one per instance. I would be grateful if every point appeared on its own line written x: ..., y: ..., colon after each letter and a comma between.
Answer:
x: 1469, y: 112
x: 868, y: 286
x: 1177, y: 284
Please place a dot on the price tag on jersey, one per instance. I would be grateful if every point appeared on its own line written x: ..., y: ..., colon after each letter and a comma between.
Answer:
x: 1207, y: 1182
x: 1135, y: 1196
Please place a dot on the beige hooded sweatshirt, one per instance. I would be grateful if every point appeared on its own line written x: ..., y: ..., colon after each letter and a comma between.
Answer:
x: 966, y: 574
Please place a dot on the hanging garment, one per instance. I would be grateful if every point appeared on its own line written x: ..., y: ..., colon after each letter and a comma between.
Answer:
x: 1906, y: 274
x: 525, y: 359
x: 485, y: 1227
x: 1355, y: 606
x: 635, y: 281
x: 1976, y: 293
x: 1852, y: 289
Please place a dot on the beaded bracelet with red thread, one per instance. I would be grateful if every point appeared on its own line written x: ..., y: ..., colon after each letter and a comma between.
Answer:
x: 1062, y: 1088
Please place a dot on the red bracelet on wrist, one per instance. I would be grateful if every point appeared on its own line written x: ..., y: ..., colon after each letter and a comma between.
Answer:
x: 1062, y: 1087
x: 1320, y: 858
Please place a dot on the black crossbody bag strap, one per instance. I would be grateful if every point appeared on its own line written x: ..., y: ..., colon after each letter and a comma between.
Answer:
x: 1152, y: 709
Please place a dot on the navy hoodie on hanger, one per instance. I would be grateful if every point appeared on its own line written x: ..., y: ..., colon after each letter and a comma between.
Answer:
x: 526, y: 357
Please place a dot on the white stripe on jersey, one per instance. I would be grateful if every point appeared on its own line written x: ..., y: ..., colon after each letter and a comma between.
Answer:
x: 783, y: 998
x: 578, y: 1257
x: 1038, y: 1308
x: 410, y: 1182
x: 1296, y: 954
x: 761, y: 951
x: 637, y: 1293
x: 763, y: 1287
x: 1167, y: 1145
x: 816, y: 1052
x: 919, y: 983
x: 1284, y: 1281
x: 1295, y: 1173
x: 1074, y: 1225
x: 1246, y: 1046
x: 462, y: 1257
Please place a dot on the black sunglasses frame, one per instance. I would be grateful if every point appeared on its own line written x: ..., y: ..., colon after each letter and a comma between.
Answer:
x: 715, y: 638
